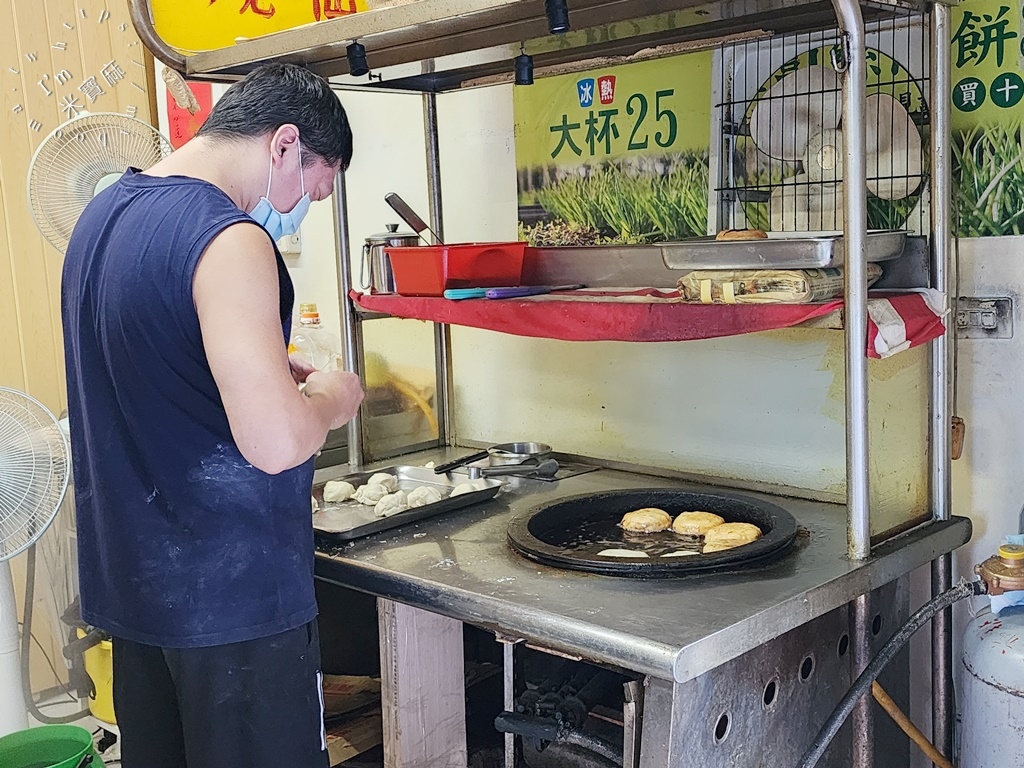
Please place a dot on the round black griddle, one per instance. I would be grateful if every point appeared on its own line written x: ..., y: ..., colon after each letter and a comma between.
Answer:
x: 570, y: 533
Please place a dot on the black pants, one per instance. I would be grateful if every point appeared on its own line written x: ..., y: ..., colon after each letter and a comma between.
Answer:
x: 255, y: 704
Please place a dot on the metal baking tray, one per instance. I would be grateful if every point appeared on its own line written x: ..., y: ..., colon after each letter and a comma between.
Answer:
x: 350, y: 520
x: 810, y: 250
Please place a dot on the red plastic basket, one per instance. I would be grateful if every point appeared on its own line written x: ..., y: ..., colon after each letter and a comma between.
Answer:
x: 430, y: 270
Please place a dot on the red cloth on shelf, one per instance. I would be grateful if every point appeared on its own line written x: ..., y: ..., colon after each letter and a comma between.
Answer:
x: 645, y: 315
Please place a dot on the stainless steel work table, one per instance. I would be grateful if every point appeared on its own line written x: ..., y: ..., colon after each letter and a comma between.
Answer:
x: 460, y: 566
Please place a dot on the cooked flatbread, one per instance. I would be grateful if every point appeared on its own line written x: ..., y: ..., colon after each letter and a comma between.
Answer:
x: 647, y: 520
x: 696, y: 523
x: 730, y: 535
x: 709, y: 548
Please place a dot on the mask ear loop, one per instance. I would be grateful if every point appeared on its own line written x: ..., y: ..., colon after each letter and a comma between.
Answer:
x: 270, y: 179
x: 302, y: 178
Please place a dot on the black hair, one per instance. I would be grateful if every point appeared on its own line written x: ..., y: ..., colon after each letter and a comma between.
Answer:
x: 276, y: 94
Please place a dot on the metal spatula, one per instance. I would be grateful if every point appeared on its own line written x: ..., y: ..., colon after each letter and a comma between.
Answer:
x: 419, y: 226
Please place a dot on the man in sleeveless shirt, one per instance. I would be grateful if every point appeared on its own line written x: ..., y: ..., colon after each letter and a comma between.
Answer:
x: 192, y: 443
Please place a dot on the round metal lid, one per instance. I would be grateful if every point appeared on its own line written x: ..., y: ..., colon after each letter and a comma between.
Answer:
x: 391, y: 237
x: 571, y: 532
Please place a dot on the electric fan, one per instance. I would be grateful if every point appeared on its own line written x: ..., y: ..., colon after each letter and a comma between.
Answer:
x: 33, y: 481
x: 81, y: 158
x: 799, y: 120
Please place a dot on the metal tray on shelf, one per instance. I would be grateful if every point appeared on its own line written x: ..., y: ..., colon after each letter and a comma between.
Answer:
x: 349, y: 520
x: 811, y: 250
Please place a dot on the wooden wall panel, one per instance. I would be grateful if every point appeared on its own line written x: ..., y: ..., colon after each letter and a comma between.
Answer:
x: 48, y: 53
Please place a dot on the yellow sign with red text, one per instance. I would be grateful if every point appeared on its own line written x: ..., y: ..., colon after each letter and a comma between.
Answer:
x: 192, y: 26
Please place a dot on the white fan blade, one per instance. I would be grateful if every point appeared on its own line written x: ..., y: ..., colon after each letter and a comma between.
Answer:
x: 894, y: 158
x: 801, y: 205
x: 824, y: 158
x: 805, y: 101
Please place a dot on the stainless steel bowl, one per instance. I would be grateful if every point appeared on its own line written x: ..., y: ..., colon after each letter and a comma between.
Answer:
x: 517, y: 453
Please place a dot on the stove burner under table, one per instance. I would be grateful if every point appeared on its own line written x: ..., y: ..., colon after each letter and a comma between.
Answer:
x: 571, y: 532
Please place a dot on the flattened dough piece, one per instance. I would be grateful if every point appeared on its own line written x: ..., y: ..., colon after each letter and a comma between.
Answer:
x: 647, y: 520
x: 470, y: 487
x: 338, y: 490
x: 730, y: 535
x: 383, y: 478
x: 696, y: 523
x: 681, y: 553
x: 370, y: 494
x: 425, y: 494
x: 316, y: 506
x: 622, y: 553
x: 391, y: 504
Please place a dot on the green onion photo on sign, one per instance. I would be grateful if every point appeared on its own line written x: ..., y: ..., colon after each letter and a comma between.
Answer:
x: 988, y: 160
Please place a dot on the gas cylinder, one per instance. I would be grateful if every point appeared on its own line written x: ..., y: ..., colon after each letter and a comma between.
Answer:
x: 992, y: 690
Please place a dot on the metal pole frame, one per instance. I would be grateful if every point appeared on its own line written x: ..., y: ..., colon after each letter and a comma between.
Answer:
x: 858, y: 531
x: 854, y: 67
x: 442, y: 332
x: 351, y: 330
x: 942, y: 367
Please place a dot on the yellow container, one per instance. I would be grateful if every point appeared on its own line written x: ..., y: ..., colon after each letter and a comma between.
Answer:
x: 99, y: 665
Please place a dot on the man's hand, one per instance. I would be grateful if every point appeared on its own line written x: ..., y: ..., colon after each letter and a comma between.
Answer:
x: 299, y: 367
x: 341, y: 388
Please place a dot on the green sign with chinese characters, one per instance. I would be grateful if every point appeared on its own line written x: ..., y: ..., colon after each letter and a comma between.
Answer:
x: 987, y: 57
x: 619, y: 153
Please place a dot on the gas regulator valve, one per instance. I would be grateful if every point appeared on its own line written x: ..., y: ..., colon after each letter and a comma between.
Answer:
x: 1003, y: 572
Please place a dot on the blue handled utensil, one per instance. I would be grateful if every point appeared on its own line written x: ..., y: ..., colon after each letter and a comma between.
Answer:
x: 528, y: 290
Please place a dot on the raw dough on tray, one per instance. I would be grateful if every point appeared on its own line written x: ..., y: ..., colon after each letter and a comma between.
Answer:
x: 338, y: 490
x: 370, y: 494
x: 470, y: 487
x: 383, y: 478
x: 648, y: 520
x: 423, y: 495
x: 391, y: 504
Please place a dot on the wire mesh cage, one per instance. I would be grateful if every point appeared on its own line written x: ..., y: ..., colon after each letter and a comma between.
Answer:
x: 781, y: 113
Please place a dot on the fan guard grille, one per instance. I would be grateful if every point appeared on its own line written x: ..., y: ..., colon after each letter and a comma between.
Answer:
x: 76, y: 157
x: 33, y: 471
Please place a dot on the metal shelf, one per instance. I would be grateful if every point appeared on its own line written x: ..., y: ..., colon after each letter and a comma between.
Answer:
x: 473, y: 42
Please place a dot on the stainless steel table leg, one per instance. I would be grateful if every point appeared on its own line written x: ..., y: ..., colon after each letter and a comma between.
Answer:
x: 656, y: 735
x: 508, y: 664
x: 423, y: 688
x: 863, y: 724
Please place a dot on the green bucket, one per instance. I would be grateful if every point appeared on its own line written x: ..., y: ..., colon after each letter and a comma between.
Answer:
x: 48, y: 746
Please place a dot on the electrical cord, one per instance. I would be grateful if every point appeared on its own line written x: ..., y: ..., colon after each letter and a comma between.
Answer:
x: 862, y: 686
x: 60, y: 687
x: 26, y: 651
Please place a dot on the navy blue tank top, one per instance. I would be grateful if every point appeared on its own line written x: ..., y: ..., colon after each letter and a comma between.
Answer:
x: 181, y: 542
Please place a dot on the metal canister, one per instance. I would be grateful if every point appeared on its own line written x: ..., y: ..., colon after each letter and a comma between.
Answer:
x: 376, y: 267
x: 991, y: 690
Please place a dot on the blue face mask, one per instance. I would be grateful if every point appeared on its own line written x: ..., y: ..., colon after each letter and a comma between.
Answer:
x: 276, y: 223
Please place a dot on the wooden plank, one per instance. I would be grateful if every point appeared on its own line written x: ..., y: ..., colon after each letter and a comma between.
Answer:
x: 12, y: 368
x: 352, y: 738
x: 423, y: 688
x: 22, y: 35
